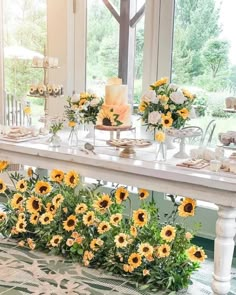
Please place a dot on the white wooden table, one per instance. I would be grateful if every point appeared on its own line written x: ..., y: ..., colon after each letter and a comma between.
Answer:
x: 145, y: 172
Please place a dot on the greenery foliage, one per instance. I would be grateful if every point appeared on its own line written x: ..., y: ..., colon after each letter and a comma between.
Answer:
x: 63, y: 216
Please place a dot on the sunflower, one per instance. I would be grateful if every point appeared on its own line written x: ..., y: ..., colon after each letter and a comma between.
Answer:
x: 88, y: 255
x: 95, y: 244
x: 168, y: 233
x: 82, y: 101
x: 166, y: 120
x: 188, y: 94
x: 21, y: 216
x: 142, y: 106
x: 103, y: 227
x: 57, y: 175
x: 187, y: 207
x: 115, y: 219
x: 30, y: 172
x: 89, y: 218
x: 3, y: 187
x: 102, y: 204
x: 3, y: 216
x: 51, y: 208
x: 21, y: 243
x: 160, y: 82
x: 71, y: 124
x: 3, y: 165
x: 121, y: 240
x: 34, y: 218
x: 57, y: 200
x: 105, y: 118
x: 21, y: 186
x: 184, y: 113
x: 133, y: 231
x: 140, y: 217
x: 16, y: 201
x: 145, y: 249
x: 160, y: 136
x: 121, y: 194
x: 71, y: 179
x: 46, y: 218
x: 163, y: 99
x: 81, y: 208
x: 196, y: 254
x: 20, y: 226
x: 14, y: 231
x: 33, y: 204
x: 135, y: 260
x: 56, y: 240
x: 163, y: 251
x: 143, y: 194
x: 42, y: 188
x: 70, y: 223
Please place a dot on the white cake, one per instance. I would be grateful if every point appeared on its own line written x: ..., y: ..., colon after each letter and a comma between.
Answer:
x: 115, y: 111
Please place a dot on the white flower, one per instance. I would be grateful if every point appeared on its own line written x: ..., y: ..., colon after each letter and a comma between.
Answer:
x: 177, y: 97
x: 154, y: 117
x: 150, y: 95
x: 75, y: 98
x: 94, y: 102
x: 173, y: 86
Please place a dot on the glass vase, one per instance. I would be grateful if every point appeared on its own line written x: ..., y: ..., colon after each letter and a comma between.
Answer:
x: 54, y: 140
x: 73, y: 139
x: 161, y: 152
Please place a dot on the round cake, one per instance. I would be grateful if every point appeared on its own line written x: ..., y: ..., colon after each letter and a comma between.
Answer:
x: 115, y: 111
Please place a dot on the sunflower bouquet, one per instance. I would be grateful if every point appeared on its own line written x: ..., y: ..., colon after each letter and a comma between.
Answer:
x: 61, y: 216
x: 166, y: 105
x: 88, y: 106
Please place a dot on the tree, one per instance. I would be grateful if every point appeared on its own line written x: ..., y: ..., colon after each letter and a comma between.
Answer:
x: 215, y: 53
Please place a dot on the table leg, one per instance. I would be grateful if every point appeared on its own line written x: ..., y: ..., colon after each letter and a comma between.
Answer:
x: 224, y: 248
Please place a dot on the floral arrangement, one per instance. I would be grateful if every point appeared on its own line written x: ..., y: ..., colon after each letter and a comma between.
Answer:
x: 88, y: 106
x: 59, y: 215
x: 165, y: 105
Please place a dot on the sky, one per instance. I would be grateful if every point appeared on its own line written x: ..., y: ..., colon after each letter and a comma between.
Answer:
x: 228, y: 22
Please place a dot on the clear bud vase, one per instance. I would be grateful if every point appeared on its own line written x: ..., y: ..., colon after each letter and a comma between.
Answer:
x: 55, y: 140
x: 161, y: 152
x: 73, y: 139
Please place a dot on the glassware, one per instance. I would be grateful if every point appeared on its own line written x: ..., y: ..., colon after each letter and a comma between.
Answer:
x: 161, y: 152
x: 73, y: 137
x: 55, y: 140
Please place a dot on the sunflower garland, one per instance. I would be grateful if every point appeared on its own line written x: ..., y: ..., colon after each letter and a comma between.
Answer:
x: 90, y: 226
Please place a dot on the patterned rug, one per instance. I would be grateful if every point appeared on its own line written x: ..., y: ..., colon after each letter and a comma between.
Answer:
x: 33, y: 272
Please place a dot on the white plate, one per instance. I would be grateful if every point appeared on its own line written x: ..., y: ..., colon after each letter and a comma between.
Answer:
x: 21, y: 139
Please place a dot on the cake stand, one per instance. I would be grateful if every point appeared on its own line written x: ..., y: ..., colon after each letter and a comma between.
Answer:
x: 128, y: 145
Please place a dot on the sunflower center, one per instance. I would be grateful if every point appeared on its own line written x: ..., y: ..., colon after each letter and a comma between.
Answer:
x: 35, y: 204
x: 21, y: 225
x: 145, y: 249
x: 46, y: 219
x: 72, y: 179
x: 121, y: 239
x: 104, y: 204
x: 188, y: 208
x: 164, y: 250
x: 35, y: 217
x: 43, y: 188
x: 1, y: 186
x: 122, y: 195
x: 142, y: 195
x: 104, y: 227
x: 106, y: 122
x: 135, y: 259
x: 116, y: 219
x: 58, y: 176
x: 52, y: 208
x: 141, y: 217
x: 89, y: 218
x: 198, y: 254
x: 56, y: 241
x: 167, y: 121
x: 168, y: 233
x: 19, y: 200
x: 70, y: 222
x: 22, y: 185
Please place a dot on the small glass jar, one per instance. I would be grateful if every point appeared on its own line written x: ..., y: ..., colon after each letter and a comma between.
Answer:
x: 55, y: 140
x: 161, y: 152
x: 73, y: 139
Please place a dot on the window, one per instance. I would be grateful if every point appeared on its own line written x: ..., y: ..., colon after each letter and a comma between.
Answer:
x: 24, y: 37
x: 204, y: 57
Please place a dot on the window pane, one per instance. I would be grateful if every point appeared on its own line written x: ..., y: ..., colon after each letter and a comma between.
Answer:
x: 24, y: 36
x: 102, y: 45
x: 204, y: 57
